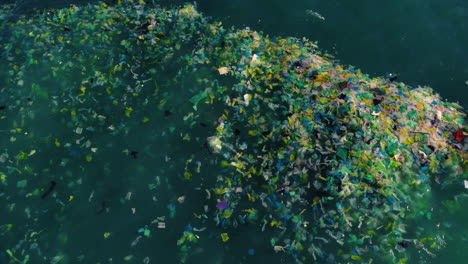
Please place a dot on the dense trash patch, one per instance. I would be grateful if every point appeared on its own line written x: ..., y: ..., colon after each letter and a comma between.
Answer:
x: 335, y: 166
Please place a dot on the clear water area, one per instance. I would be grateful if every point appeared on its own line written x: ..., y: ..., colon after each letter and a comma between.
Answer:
x: 99, y: 197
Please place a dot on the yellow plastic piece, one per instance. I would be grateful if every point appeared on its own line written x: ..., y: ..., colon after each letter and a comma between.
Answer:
x: 221, y: 191
x: 227, y: 214
x: 224, y: 237
x: 250, y: 211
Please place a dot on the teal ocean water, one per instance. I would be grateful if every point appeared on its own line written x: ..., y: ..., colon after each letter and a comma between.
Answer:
x: 105, y: 157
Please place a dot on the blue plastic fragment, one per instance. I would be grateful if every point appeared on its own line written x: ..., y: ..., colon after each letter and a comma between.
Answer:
x: 251, y: 252
x: 141, y: 230
x: 277, y: 204
x: 171, y: 207
x: 339, y: 206
x: 241, y: 220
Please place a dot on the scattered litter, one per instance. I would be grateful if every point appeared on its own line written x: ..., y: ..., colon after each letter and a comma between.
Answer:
x: 181, y: 199
x: 224, y: 237
x: 299, y: 147
x: 314, y: 14
x: 223, y: 70
x: 222, y: 205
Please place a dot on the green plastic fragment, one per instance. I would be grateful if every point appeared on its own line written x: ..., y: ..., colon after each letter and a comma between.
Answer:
x: 22, y: 183
x: 392, y: 149
x: 273, y: 242
x: 184, y: 248
x: 8, y: 251
x: 197, y: 98
x: 429, y: 215
x: 181, y: 241
x: 57, y: 259
x: 299, y: 246
x: 369, y: 177
x: 342, y: 153
x: 22, y: 156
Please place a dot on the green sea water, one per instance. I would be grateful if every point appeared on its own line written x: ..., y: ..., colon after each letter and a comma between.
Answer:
x: 101, y: 203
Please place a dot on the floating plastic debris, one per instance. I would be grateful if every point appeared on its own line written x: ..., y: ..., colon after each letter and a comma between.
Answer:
x: 224, y: 237
x: 305, y: 150
x: 222, y: 205
x: 314, y: 14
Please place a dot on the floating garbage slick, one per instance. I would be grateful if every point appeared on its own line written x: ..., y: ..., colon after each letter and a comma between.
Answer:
x: 271, y: 133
